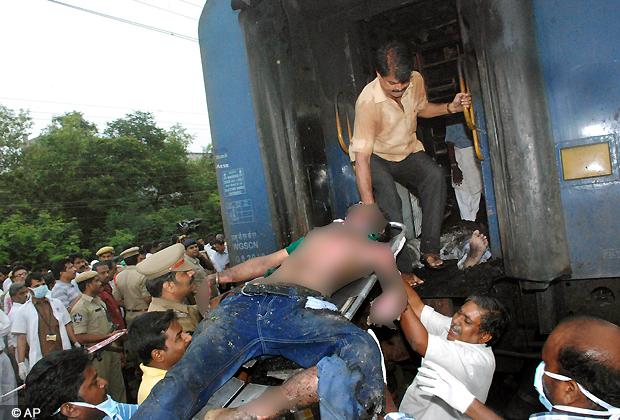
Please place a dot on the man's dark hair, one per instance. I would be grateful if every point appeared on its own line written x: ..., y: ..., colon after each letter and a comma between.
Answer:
x: 16, y: 287
x: 16, y: 269
x: 5, y: 269
x: 394, y: 58
x: 49, y: 279
x: 218, y: 242
x: 75, y: 256
x: 109, y: 263
x: 55, y: 380
x: 133, y: 260
x: 494, y: 318
x: 58, y: 266
x: 161, y: 245
x: 174, y: 239
x: 82, y: 285
x: 100, y: 264
x: 148, y: 332
x: 37, y: 275
x: 155, y: 286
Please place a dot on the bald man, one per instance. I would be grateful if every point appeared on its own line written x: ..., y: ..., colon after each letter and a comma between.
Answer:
x: 579, y: 376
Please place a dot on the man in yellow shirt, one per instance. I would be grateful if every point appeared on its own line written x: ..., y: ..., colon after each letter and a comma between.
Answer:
x: 158, y: 342
x: 386, y: 150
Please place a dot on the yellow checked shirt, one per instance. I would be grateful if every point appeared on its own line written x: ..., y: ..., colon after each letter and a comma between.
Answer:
x: 90, y: 316
x: 382, y: 128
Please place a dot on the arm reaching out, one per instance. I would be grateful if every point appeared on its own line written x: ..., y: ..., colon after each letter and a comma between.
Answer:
x: 391, y: 303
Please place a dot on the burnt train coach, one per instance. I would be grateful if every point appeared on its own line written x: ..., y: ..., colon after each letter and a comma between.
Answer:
x: 281, y: 78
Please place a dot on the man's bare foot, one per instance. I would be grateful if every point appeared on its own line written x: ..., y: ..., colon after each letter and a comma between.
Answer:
x: 431, y: 260
x: 477, y: 247
x: 411, y: 279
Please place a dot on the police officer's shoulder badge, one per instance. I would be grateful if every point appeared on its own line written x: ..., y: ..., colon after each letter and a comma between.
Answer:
x: 77, y: 318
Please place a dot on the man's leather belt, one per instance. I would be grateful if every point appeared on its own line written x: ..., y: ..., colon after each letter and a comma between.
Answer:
x: 279, y: 289
x: 137, y: 310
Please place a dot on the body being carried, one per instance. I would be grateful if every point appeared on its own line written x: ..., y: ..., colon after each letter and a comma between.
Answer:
x: 333, y: 256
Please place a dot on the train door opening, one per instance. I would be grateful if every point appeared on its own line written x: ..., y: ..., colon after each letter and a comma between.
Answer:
x: 432, y: 32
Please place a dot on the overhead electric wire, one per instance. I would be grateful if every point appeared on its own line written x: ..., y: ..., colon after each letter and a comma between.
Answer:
x: 130, y: 22
x: 102, y: 106
x: 187, y: 2
x: 166, y: 10
x: 89, y: 117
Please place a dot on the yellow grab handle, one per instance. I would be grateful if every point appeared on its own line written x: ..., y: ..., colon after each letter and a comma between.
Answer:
x: 470, y: 116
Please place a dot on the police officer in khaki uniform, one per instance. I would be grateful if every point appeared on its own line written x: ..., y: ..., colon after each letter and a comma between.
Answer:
x: 130, y: 291
x: 105, y: 253
x: 92, y: 324
x: 170, y: 281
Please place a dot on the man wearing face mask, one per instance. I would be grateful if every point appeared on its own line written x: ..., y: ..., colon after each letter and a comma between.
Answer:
x: 578, y: 378
x: 65, y: 385
x: 460, y: 344
x: 42, y: 323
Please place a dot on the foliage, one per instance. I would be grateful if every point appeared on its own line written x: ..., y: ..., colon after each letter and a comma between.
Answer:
x: 126, y: 186
x: 13, y: 129
x: 40, y: 239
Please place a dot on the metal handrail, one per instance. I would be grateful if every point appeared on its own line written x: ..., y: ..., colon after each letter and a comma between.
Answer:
x: 470, y: 116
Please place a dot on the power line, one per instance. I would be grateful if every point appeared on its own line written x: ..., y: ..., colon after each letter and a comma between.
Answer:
x: 187, y: 2
x: 101, y: 106
x: 166, y: 10
x: 188, y: 127
x: 111, y: 117
x: 130, y: 22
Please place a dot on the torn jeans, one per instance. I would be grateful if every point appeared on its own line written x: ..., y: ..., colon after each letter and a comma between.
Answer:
x: 243, y: 327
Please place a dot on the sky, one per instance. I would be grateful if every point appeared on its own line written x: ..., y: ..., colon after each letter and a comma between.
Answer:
x: 57, y: 59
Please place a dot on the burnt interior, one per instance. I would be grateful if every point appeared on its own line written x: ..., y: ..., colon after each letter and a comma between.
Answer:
x: 431, y: 30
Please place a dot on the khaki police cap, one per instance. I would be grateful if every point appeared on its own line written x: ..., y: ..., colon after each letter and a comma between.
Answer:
x: 105, y: 250
x: 86, y: 275
x: 130, y: 252
x: 167, y: 260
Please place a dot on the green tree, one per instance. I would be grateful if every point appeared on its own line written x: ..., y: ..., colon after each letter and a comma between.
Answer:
x: 128, y: 185
x: 40, y: 239
x: 13, y: 130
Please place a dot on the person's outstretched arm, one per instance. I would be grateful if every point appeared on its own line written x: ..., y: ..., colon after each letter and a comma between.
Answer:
x: 390, y: 304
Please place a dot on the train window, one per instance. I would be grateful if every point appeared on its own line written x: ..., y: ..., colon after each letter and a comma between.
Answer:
x: 587, y: 161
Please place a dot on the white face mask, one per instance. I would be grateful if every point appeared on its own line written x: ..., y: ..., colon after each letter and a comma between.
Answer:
x: 40, y: 291
x: 612, y: 412
x: 109, y: 407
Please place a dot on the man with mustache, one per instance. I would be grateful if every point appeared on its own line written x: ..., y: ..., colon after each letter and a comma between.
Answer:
x: 385, y: 148
x: 460, y: 344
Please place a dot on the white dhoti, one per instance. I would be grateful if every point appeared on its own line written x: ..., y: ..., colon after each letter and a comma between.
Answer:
x: 468, y: 193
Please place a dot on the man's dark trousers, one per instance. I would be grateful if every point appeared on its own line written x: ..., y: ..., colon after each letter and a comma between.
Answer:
x: 416, y: 170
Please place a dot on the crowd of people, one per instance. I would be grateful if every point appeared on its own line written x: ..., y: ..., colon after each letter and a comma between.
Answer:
x: 72, y: 344
x: 156, y: 331
x: 76, y: 303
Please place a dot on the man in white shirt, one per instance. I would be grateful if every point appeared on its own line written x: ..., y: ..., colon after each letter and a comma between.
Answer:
x: 7, y: 377
x: 460, y: 344
x: 220, y: 259
x: 41, y: 316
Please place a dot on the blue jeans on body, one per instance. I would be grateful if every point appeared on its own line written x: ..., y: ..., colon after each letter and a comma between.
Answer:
x: 243, y: 327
